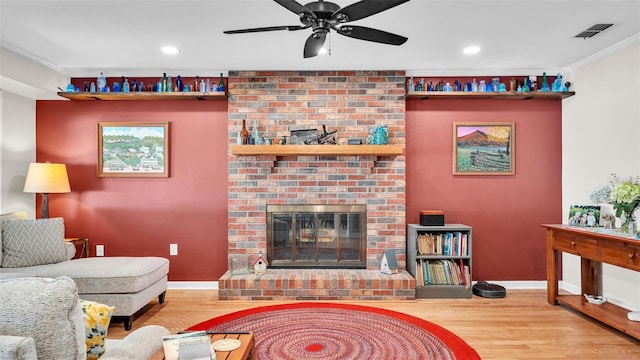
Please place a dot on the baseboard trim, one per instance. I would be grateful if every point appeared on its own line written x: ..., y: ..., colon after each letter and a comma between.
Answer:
x: 192, y: 285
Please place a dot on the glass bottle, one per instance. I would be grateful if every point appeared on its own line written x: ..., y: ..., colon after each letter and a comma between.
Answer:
x: 412, y: 87
x: 201, y: 88
x: 256, y: 134
x: 474, y: 85
x: 525, y: 87
x: 244, y: 134
x: 221, y: 83
x: 169, y: 84
x: 101, y: 83
x: 164, y: 83
x: 545, y: 83
x: 482, y: 87
x: 126, y: 87
x: 179, y: 85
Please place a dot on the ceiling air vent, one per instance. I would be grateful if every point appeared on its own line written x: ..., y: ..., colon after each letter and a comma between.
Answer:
x: 593, y: 31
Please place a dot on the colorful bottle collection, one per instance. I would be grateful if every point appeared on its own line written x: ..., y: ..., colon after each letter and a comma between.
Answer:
x: 164, y: 84
x: 528, y: 83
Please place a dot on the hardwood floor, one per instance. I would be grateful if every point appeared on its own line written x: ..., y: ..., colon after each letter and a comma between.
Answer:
x: 520, y: 326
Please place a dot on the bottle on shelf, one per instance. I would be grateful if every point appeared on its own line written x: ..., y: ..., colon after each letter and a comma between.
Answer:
x: 202, y: 86
x: 207, y: 87
x: 474, y: 85
x: 163, y: 85
x: 220, y: 83
x: 101, y: 83
x: 545, y: 83
x: 256, y: 134
x: 179, y: 85
x: 125, y: 86
x: 525, y: 86
x: 482, y: 87
x: 169, y: 84
x: 412, y: 87
x: 244, y: 133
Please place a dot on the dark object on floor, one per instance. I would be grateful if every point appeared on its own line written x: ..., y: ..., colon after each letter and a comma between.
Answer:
x: 485, y: 289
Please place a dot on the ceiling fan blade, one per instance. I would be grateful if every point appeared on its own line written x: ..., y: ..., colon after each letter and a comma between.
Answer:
x: 270, y: 28
x: 369, y: 34
x: 364, y: 8
x: 296, y: 8
x: 313, y: 44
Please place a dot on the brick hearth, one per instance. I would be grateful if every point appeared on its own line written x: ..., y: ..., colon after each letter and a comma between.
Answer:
x: 313, y: 284
x: 353, y: 103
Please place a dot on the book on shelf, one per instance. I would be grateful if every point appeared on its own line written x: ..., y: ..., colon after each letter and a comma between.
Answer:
x: 442, y: 272
x: 447, y: 243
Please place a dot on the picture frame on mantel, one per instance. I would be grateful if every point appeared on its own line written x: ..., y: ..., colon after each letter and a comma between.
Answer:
x: 484, y: 148
x: 133, y: 149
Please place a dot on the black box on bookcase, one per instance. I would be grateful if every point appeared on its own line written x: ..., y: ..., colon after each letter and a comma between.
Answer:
x: 431, y: 217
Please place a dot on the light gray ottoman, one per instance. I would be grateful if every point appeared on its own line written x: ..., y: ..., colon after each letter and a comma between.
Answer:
x: 128, y: 283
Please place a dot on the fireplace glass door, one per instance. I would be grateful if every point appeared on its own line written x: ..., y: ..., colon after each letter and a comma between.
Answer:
x: 316, y: 236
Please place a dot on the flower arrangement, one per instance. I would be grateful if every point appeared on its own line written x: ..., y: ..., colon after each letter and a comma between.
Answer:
x: 624, y: 195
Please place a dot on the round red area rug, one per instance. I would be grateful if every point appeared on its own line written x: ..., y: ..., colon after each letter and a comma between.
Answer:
x: 312, y: 330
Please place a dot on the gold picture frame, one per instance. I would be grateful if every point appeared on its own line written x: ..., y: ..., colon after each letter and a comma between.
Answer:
x: 484, y: 148
x: 133, y: 149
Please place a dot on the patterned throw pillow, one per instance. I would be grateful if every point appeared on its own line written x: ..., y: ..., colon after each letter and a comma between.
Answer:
x: 96, y: 323
x: 33, y: 242
x: 16, y: 215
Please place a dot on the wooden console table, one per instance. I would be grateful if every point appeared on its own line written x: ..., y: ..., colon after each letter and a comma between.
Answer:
x: 594, y: 246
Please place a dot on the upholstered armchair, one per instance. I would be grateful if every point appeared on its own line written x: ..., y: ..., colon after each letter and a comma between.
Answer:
x: 43, y: 318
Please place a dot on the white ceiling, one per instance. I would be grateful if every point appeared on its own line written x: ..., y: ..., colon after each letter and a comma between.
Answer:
x: 123, y: 37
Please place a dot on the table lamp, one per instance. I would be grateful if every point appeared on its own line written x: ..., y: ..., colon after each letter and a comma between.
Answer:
x: 47, y: 178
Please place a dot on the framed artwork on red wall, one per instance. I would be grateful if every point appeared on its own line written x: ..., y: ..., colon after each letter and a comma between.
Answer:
x: 484, y: 148
x: 133, y: 149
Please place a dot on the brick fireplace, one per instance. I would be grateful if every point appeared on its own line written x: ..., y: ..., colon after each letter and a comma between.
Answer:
x: 353, y: 103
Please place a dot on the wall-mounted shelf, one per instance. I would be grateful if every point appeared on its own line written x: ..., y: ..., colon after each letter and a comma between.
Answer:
x: 144, y: 96
x: 317, y: 150
x: 509, y: 95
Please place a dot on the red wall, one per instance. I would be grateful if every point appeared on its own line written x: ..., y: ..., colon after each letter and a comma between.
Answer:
x: 142, y: 216
x: 504, y: 211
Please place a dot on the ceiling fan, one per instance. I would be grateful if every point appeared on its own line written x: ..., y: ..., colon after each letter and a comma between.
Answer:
x: 322, y: 16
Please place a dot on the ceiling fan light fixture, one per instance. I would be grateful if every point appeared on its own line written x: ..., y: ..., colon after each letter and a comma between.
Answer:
x: 471, y: 50
x: 326, y: 47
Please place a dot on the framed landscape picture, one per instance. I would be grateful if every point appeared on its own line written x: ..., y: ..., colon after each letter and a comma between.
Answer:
x: 483, y: 149
x: 133, y: 149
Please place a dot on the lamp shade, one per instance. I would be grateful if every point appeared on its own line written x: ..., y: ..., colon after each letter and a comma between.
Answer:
x: 47, y: 178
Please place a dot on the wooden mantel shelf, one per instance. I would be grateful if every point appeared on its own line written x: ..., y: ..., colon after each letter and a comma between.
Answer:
x: 509, y: 95
x: 144, y: 96
x: 317, y: 150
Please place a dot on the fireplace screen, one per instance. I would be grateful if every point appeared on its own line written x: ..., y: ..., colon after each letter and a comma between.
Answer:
x: 316, y: 236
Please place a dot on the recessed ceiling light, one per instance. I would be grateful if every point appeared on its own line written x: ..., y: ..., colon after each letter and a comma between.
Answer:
x: 471, y: 50
x: 170, y: 50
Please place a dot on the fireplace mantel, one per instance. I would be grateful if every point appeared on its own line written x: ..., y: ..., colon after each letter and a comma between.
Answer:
x: 320, y: 150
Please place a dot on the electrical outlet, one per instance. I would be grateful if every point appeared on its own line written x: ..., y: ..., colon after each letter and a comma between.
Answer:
x: 99, y: 250
x: 173, y: 249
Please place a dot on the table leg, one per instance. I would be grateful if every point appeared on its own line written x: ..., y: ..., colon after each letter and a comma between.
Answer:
x: 590, y: 277
x: 552, y: 269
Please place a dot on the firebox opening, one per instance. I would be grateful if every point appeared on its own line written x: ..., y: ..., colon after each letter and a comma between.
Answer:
x: 317, y: 236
